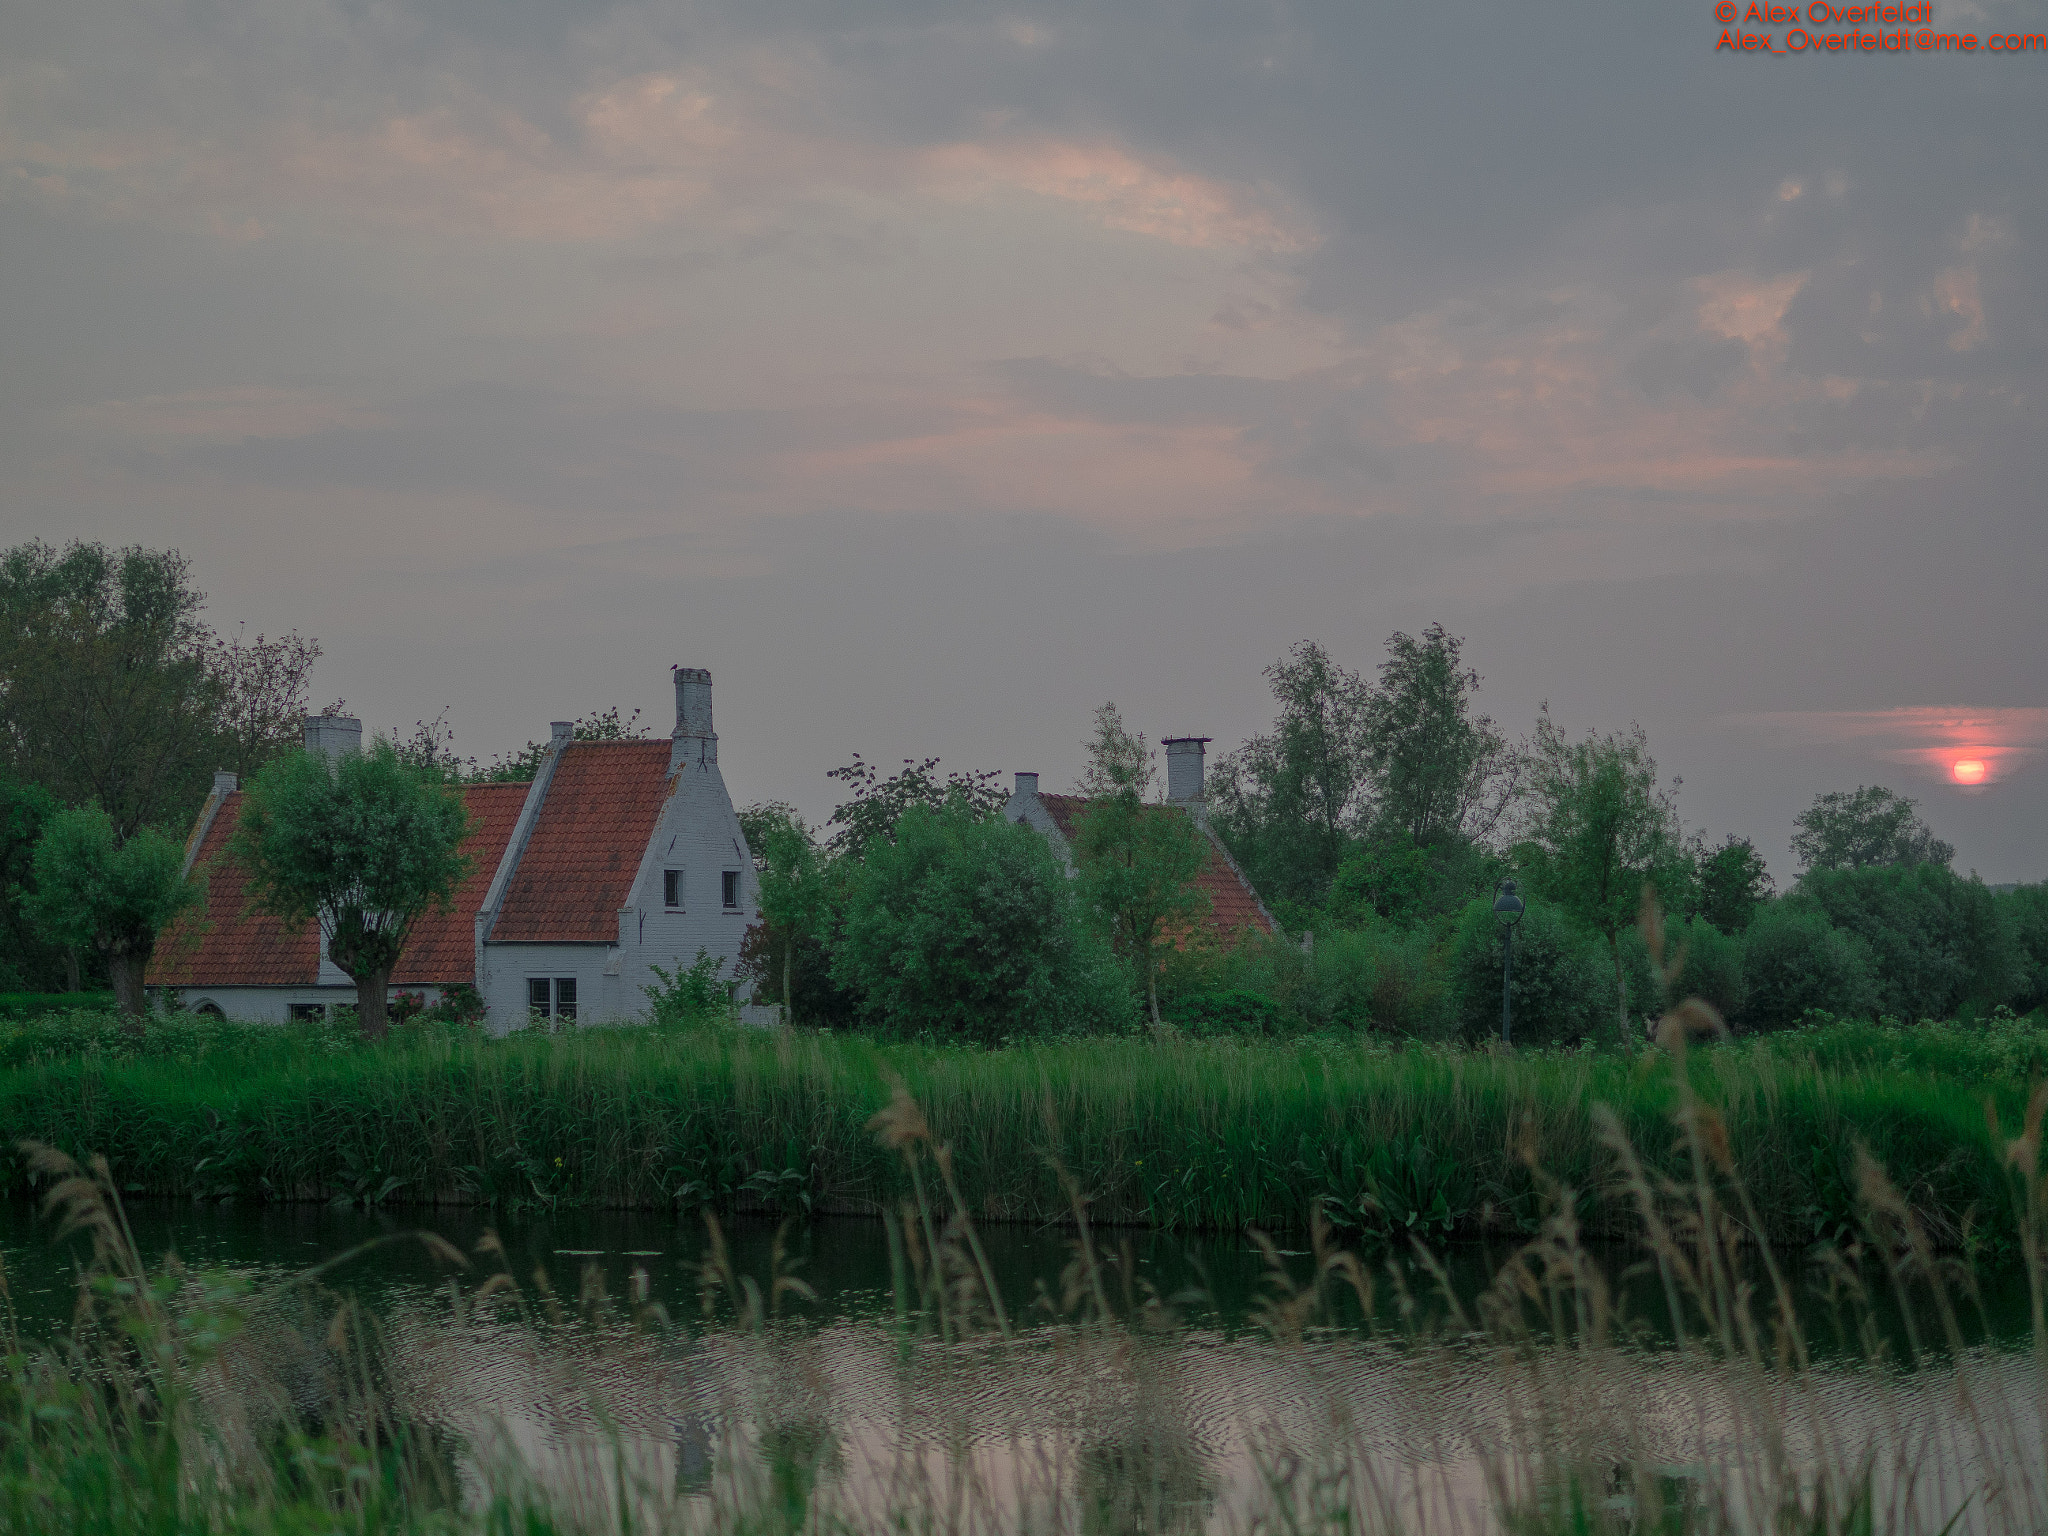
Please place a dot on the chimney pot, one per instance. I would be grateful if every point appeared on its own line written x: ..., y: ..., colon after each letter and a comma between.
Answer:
x: 1184, y: 767
x: 1027, y: 783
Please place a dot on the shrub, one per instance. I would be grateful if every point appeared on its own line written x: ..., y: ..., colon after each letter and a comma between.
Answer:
x: 1938, y: 940
x: 1795, y: 962
x: 1562, y: 987
x: 1372, y: 979
x: 970, y: 930
x: 1237, y: 1011
x: 2025, y: 913
x: 1711, y: 966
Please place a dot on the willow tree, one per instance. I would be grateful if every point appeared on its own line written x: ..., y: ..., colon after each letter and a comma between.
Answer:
x: 97, y: 890
x: 363, y: 845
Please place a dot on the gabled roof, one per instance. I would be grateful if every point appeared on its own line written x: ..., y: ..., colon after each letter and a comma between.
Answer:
x: 577, y: 868
x: 235, y: 946
x: 1233, y: 905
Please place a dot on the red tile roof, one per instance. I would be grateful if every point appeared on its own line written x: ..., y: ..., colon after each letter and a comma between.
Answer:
x: 442, y: 945
x: 227, y: 945
x: 578, y: 865
x: 234, y: 946
x: 1233, y: 906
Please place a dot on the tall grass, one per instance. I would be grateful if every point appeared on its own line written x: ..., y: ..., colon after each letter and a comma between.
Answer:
x: 1175, y: 1133
x: 179, y: 1405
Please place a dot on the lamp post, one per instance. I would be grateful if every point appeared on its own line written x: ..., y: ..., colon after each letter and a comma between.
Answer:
x: 1508, y: 906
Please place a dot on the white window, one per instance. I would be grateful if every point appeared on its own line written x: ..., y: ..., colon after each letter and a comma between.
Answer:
x: 306, y: 1013
x: 729, y: 888
x: 551, y: 997
x: 672, y: 889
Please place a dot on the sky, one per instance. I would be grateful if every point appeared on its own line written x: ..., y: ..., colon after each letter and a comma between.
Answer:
x: 935, y: 372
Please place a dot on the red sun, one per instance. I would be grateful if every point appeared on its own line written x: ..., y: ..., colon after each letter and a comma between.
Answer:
x: 1969, y: 770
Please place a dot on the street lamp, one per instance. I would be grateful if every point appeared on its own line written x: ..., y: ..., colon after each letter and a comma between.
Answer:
x: 1507, y: 906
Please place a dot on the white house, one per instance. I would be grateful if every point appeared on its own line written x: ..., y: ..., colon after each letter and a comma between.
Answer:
x: 619, y: 856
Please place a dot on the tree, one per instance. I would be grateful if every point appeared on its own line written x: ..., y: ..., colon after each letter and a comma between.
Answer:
x: 97, y: 890
x: 1291, y: 803
x: 28, y: 959
x: 362, y: 846
x: 106, y: 695
x: 1138, y: 863
x: 113, y: 692
x: 261, y: 710
x: 1438, y: 772
x: 1938, y: 940
x: 795, y: 893
x: 1600, y: 829
x: 878, y: 803
x: 1734, y: 881
x: 1870, y: 826
x: 1794, y: 962
x: 966, y: 928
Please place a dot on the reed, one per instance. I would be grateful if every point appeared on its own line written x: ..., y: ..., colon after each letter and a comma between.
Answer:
x: 1174, y: 1133
x: 185, y: 1404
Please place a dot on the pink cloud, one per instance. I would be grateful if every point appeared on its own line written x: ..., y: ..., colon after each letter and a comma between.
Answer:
x: 1932, y: 738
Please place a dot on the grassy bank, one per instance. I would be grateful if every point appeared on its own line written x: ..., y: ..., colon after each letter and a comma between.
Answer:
x: 1177, y: 1133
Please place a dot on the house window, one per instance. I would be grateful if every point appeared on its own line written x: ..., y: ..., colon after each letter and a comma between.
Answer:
x: 306, y: 1013
x: 729, y: 887
x: 672, y: 889
x: 551, y: 997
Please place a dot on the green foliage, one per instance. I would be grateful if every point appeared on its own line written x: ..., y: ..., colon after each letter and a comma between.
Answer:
x: 95, y: 891
x: 362, y: 846
x: 1180, y: 1132
x: 1863, y: 828
x: 878, y: 803
x: 1600, y: 830
x: 1733, y: 882
x: 1138, y: 866
x: 801, y: 893
x: 118, y: 695
x: 34, y: 1005
x: 1404, y: 883
x: 968, y: 929
x: 1438, y: 773
x: 2025, y: 913
x: 1233, y: 1011
x: 1795, y: 963
x: 690, y: 995
x: 1710, y: 968
x: 27, y: 957
x: 1939, y: 941
x: 1290, y: 804
x: 1558, y: 988
x: 1378, y: 980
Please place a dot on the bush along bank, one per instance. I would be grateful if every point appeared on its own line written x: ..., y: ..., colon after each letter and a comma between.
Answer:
x: 1181, y: 1133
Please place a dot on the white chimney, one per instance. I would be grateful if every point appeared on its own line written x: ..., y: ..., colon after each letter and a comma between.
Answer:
x: 1184, y: 768
x: 693, y: 735
x: 1027, y: 783
x: 224, y: 783
x: 561, y: 730
x: 333, y: 736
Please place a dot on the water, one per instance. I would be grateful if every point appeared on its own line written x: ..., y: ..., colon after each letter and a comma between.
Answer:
x: 1200, y: 1425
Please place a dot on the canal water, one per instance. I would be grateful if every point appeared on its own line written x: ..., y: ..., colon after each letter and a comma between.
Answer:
x: 1217, y: 1419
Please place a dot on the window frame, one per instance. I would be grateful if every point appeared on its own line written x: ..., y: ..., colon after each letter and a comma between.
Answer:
x: 540, y: 996
x: 673, y: 893
x: 565, y: 1007
x: 729, y: 889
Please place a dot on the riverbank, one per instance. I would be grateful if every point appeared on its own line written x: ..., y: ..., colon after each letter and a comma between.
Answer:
x: 1173, y: 1134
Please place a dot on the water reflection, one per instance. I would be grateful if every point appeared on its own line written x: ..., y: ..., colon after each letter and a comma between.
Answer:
x: 593, y: 1373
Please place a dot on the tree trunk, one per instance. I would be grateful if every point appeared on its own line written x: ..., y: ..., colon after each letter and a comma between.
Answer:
x: 370, y: 989
x: 788, y: 955
x: 126, y: 968
x: 1620, y: 995
x: 71, y: 979
x: 1152, y: 990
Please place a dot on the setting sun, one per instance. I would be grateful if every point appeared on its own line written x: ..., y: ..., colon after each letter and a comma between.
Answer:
x: 1969, y: 771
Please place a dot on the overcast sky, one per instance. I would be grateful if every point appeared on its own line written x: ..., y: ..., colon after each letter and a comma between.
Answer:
x: 932, y: 372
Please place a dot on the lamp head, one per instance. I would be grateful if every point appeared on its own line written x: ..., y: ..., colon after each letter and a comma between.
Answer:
x: 1507, y: 905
